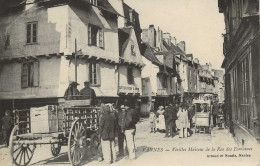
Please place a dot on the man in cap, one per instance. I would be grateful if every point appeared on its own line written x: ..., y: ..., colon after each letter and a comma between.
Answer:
x: 88, y: 93
x: 169, y: 120
x: 7, y: 125
x: 72, y: 93
x: 128, y: 117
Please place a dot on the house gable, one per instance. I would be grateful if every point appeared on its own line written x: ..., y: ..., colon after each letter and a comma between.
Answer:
x: 128, y: 45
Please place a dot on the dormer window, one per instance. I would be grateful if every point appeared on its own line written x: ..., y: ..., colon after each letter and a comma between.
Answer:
x: 93, y: 2
x: 133, y: 49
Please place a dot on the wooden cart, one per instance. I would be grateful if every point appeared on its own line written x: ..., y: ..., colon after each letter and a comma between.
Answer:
x: 202, y: 116
x: 75, y: 126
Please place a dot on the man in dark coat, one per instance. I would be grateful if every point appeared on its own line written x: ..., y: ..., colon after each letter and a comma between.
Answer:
x: 174, y: 117
x: 128, y: 117
x: 88, y: 93
x: 121, y: 131
x: 108, y: 128
x: 191, y: 113
x: 215, y: 109
x: 72, y: 93
x: 169, y: 121
x: 7, y: 125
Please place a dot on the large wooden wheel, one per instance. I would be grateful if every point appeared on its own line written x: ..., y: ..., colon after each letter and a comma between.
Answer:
x: 21, y: 154
x: 77, y: 142
x: 55, y: 149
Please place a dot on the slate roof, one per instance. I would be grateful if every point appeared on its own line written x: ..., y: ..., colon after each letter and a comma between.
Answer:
x: 105, y: 5
x: 147, y: 52
x: 102, y: 4
x: 123, y: 38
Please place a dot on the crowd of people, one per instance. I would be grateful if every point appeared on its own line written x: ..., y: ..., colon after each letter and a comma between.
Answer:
x: 119, y: 123
x: 165, y: 120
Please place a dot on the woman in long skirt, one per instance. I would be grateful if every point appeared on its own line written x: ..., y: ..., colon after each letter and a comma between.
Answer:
x: 161, y: 120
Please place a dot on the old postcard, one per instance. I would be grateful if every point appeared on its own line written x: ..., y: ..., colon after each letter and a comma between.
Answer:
x: 129, y: 82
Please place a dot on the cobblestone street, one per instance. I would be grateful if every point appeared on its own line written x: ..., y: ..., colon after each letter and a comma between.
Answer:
x: 153, y: 149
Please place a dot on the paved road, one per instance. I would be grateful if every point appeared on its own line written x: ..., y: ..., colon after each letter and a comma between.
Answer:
x: 153, y: 149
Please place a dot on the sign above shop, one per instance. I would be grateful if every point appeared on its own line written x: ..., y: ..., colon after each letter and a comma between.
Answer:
x: 128, y: 89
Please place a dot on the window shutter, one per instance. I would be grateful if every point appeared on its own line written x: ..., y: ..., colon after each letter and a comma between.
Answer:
x: 89, y: 35
x: 31, y: 74
x: 98, y: 74
x: 90, y: 73
x: 36, y: 74
x: 24, y: 76
x: 101, y: 38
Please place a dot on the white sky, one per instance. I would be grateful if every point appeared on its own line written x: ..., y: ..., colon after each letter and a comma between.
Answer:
x: 197, y: 22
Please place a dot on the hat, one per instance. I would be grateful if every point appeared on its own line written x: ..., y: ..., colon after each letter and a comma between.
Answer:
x: 74, y: 83
x: 86, y: 82
x: 161, y: 106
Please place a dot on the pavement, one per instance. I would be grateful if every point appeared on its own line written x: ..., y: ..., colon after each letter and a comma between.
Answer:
x: 154, y: 149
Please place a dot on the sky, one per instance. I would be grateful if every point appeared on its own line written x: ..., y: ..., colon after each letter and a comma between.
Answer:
x: 197, y: 22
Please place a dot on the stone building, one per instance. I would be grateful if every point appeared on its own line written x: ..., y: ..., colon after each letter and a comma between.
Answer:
x: 37, y: 51
x: 242, y: 68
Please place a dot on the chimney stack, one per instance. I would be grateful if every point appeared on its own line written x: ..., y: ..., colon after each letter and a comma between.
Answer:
x: 182, y: 46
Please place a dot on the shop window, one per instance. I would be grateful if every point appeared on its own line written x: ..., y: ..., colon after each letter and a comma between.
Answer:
x: 30, y: 74
x: 95, y: 36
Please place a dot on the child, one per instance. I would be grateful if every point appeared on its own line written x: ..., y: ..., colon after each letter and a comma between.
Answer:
x: 152, y: 119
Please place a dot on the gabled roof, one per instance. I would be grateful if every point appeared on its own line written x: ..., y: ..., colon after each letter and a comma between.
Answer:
x: 123, y: 38
x: 105, y: 5
x: 173, y: 48
x: 102, y: 4
x: 147, y: 52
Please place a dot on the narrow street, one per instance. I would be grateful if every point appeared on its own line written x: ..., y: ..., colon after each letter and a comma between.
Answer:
x: 154, y: 149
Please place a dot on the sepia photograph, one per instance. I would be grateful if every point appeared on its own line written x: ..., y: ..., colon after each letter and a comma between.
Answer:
x: 129, y: 82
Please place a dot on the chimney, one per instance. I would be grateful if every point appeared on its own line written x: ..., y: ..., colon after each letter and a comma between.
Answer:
x: 182, y: 46
x: 149, y: 35
x: 159, y: 38
x: 167, y: 37
x: 175, y: 41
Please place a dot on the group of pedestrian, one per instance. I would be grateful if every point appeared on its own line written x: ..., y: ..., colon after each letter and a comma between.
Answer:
x: 119, y: 123
x: 165, y: 120
x: 218, y: 115
x: 7, y: 126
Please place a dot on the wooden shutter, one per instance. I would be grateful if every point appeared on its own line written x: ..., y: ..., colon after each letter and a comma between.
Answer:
x: 101, y: 38
x: 90, y: 73
x: 24, y: 76
x: 36, y: 74
x: 31, y: 74
x: 98, y: 74
x: 89, y: 35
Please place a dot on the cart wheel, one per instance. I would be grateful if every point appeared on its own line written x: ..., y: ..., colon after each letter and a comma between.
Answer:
x: 55, y: 149
x: 20, y: 153
x: 77, y: 143
x: 94, y: 144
